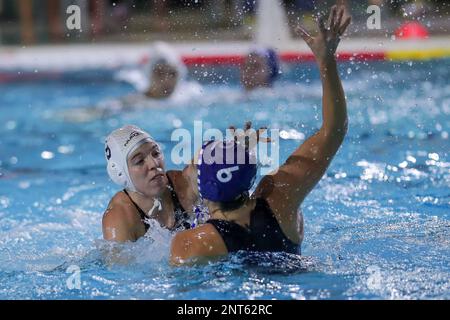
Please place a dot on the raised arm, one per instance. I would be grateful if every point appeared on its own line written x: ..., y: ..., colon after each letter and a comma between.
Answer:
x: 286, y: 189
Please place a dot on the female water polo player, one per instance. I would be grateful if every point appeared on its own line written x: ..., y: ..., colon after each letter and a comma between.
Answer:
x: 164, y: 77
x: 269, y: 219
x: 161, y: 82
x: 164, y: 73
x: 135, y: 162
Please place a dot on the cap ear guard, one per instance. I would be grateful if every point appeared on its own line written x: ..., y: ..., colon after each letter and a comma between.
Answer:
x: 116, y: 174
x: 114, y: 169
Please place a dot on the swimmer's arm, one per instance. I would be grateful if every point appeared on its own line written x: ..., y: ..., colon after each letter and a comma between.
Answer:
x: 197, y: 246
x: 116, y: 231
x: 286, y: 189
x: 324, y: 46
x: 116, y: 227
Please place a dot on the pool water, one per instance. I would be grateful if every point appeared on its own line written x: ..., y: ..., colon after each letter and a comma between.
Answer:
x: 376, y: 226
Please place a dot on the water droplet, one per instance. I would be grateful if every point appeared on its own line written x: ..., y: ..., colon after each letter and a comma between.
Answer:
x: 4, y: 202
x: 66, y: 149
x: 47, y: 155
x: 433, y: 156
x: 403, y: 164
x: 113, y: 122
x: 11, y: 125
x: 177, y: 123
x: 24, y: 184
x: 411, y: 159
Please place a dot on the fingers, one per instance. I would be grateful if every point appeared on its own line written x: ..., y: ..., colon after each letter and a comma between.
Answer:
x: 262, y: 139
x: 247, y: 125
x: 339, y: 19
x: 332, y: 17
x: 259, y: 133
x: 304, y: 34
x: 239, y: 134
x: 321, y: 23
x: 233, y: 130
x: 344, y: 26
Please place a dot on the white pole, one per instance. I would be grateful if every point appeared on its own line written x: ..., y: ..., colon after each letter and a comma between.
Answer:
x: 272, y: 27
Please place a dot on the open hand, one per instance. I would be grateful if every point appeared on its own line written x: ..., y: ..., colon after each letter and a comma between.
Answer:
x: 324, y: 45
x: 251, y: 137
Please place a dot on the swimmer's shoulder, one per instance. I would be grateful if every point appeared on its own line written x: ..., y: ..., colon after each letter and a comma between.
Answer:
x: 122, y: 216
x: 120, y: 206
x: 288, y: 216
x: 194, y: 245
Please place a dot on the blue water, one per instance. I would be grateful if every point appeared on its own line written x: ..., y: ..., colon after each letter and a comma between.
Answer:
x: 376, y: 226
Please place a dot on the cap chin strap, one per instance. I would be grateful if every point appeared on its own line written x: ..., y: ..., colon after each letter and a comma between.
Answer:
x: 156, y: 203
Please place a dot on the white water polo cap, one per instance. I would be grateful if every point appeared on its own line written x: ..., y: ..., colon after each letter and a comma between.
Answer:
x: 162, y: 52
x: 118, y: 146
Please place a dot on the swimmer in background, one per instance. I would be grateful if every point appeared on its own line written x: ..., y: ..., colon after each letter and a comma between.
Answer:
x: 162, y: 77
x: 165, y: 77
x: 136, y: 163
x: 260, y: 69
x: 268, y: 220
x: 161, y: 82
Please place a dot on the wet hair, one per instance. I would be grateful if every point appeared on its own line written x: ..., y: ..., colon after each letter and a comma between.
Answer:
x: 234, y: 204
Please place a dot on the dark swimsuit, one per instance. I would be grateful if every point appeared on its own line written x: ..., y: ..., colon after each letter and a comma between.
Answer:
x: 181, y: 215
x: 263, y: 234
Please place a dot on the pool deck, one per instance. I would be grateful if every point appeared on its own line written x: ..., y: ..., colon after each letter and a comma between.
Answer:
x: 114, y: 55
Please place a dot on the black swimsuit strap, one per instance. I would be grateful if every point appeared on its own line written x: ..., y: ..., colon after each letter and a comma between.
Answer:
x: 181, y: 215
x: 140, y: 211
x: 235, y: 236
x: 176, y: 202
